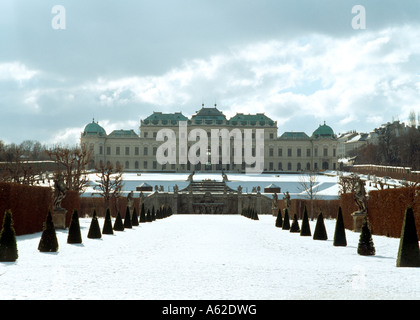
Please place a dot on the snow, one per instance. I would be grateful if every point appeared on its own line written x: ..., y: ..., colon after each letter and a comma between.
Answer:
x: 207, y: 257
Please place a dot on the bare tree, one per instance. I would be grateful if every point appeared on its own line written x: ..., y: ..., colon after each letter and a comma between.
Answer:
x: 110, y: 183
x: 72, y: 164
x: 308, y: 183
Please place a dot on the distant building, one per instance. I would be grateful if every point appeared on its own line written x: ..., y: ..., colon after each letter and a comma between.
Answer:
x: 292, y: 151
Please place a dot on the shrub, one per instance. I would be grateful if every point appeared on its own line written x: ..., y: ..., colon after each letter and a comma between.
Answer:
x: 286, y: 220
x: 408, y: 251
x: 8, y: 244
x: 306, y: 228
x: 118, y: 224
x: 127, y: 219
x: 340, y: 232
x: 94, y: 230
x: 134, y: 218
x: 143, y: 218
x: 279, y: 219
x: 107, y: 228
x: 294, y: 228
x: 74, y: 235
x: 48, y: 242
x: 365, y: 246
x: 320, y: 232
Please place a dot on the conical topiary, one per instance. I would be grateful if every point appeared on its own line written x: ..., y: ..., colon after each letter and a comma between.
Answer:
x: 107, y: 228
x: 306, y: 228
x: 118, y: 223
x: 340, y: 232
x: 286, y: 220
x: 148, y: 216
x: 365, y: 246
x: 134, y: 218
x: 142, y: 214
x: 408, y: 251
x: 127, y: 219
x: 320, y: 232
x: 279, y: 219
x: 294, y: 228
x: 8, y: 244
x: 74, y: 235
x: 94, y: 229
x: 153, y: 216
x: 48, y: 242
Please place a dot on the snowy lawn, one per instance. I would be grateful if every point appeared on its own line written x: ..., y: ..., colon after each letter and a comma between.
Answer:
x: 207, y: 257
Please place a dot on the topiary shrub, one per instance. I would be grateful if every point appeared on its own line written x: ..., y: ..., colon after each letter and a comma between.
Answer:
x: 294, y: 228
x: 107, y: 228
x: 306, y: 228
x: 286, y: 220
x: 8, y: 244
x: 320, y: 232
x: 74, y: 235
x: 340, y: 232
x: 118, y: 223
x: 48, y: 242
x: 134, y: 218
x: 127, y: 219
x: 94, y: 229
x: 143, y: 218
x: 279, y: 219
x: 365, y: 246
x: 408, y: 251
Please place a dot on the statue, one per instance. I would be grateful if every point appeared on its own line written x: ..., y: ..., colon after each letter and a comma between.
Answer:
x: 287, y: 200
x: 224, y: 176
x: 130, y: 200
x: 275, y: 200
x: 360, y: 196
x: 59, y: 213
x: 190, y: 177
x: 59, y: 191
x: 176, y: 188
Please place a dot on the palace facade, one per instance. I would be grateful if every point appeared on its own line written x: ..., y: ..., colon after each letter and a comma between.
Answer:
x: 289, y: 152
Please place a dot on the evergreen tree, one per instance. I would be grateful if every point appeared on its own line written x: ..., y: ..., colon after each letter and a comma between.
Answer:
x: 74, y: 235
x: 127, y: 219
x: 48, y: 242
x: 142, y: 214
x: 294, y: 228
x: 153, y: 216
x: 320, y: 232
x: 340, y: 232
x: 148, y: 216
x: 94, y: 229
x: 118, y: 223
x: 306, y: 228
x: 134, y: 218
x: 286, y: 220
x: 408, y: 251
x: 107, y: 228
x: 8, y: 244
x: 279, y: 219
x: 365, y: 246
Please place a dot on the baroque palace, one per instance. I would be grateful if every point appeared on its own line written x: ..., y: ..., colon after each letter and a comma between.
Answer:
x: 291, y: 151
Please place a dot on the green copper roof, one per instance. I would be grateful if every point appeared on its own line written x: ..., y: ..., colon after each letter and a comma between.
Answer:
x: 294, y: 136
x: 94, y: 128
x: 323, y: 131
x: 252, y: 119
x: 165, y: 118
x: 208, y: 114
x: 123, y: 134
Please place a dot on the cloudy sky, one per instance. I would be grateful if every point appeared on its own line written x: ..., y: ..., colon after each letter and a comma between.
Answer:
x: 301, y: 62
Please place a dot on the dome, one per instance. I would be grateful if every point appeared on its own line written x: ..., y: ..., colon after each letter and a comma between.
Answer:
x: 323, y: 131
x: 94, y: 128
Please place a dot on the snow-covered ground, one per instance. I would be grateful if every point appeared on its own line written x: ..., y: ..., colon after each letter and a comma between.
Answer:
x: 207, y: 257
